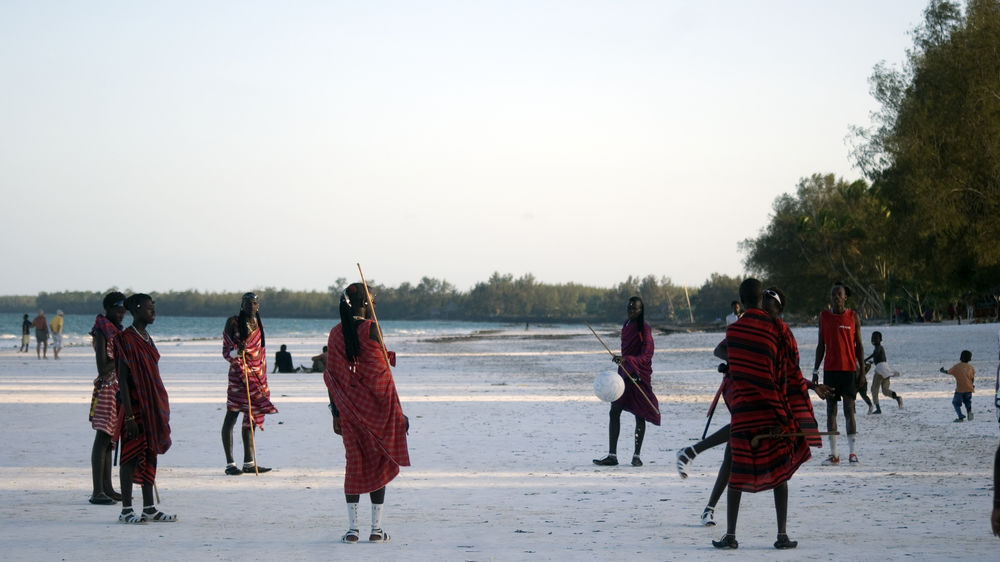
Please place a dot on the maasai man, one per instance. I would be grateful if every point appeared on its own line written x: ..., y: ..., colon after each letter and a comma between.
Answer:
x: 243, y: 347
x: 366, y: 410
x: 759, y: 405
x: 635, y: 362
x: 146, y: 412
x: 104, y: 416
x: 841, y: 352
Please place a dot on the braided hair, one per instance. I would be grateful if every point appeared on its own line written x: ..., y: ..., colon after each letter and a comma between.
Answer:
x: 353, y: 295
x: 244, y: 315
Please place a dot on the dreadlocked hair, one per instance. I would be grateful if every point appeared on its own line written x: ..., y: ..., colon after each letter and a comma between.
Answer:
x: 641, y: 321
x: 353, y: 295
x: 241, y: 327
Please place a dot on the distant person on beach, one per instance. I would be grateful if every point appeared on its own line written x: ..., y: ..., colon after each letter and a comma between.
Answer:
x: 104, y: 416
x: 41, y: 325
x: 145, y: 410
x: 318, y: 362
x: 283, y: 361
x: 758, y: 364
x: 839, y: 349
x: 862, y: 385
x: 635, y: 364
x: 965, y: 384
x: 25, y: 335
x: 57, y: 333
x: 881, y: 373
x: 366, y: 410
x: 243, y: 347
x: 733, y: 316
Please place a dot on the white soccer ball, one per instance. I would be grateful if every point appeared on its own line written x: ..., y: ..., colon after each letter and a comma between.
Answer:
x: 609, y: 386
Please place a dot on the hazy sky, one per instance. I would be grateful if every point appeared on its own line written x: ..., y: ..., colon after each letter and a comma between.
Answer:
x: 237, y: 145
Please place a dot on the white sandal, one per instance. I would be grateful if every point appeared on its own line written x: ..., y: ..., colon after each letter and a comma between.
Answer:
x: 131, y: 518
x: 158, y: 517
x: 684, y: 460
x: 378, y: 535
x: 352, y: 536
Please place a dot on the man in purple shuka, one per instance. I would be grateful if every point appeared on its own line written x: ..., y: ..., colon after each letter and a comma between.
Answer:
x: 635, y: 363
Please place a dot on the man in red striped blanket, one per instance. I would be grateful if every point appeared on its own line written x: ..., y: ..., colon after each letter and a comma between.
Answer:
x: 759, y: 406
x: 243, y: 346
x: 146, y: 410
x: 104, y: 416
x: 366, y: 410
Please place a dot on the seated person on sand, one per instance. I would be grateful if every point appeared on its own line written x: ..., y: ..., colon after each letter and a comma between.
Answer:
x: 319, y: 363
x: 283, y: 361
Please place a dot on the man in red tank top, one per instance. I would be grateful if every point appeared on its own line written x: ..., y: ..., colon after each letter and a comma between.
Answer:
x: 839, y: 349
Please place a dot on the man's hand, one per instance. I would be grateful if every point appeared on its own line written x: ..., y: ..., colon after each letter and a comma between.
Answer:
x: 616, y: 359
x: 823, y: 391
x: 815, y: 376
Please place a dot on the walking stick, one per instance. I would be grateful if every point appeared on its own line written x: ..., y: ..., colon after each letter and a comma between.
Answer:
x: 711, y: 411
x: 381, y: 340
x: 253, y: 425
x: 756, y: 438
x: 629, y: 375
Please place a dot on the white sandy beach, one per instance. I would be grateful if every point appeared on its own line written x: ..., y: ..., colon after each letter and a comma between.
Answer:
x: 503, y: 433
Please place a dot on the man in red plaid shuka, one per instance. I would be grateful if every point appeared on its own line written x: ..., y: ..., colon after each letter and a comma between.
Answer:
x: 366, y: 410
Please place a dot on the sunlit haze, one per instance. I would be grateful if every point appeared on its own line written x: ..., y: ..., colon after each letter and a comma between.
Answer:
x: 236, y: 145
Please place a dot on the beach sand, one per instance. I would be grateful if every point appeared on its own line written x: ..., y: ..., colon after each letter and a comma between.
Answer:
x: 501, y: 469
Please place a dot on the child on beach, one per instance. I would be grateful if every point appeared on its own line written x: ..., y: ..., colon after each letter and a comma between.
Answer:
x: 881, y: 373
x: 965, y: 375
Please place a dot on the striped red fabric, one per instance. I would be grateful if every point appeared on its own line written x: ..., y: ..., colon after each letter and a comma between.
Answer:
x: 798, y: 395
x: 105, y: 416
x: 138, y: 448
x: 252, y: 366
x: 759, y: 405
x: 148, y: 397
x: 371, y: 417
x: 637, y: 359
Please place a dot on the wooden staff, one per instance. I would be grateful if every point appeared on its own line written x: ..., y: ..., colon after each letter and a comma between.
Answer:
x: 756, y: 438
x: 628, y: 375
x: 381, y: 340
x: 253, y: 425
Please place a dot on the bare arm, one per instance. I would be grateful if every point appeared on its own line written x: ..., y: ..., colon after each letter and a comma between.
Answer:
x: 859, y: 345
x: 820, y: 352
x: 104, y: 365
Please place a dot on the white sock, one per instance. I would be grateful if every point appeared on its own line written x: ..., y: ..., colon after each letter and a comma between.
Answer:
x: 833, y: 445
x: 352, y: 515
x: 377, y: 516
x: 850, y: 442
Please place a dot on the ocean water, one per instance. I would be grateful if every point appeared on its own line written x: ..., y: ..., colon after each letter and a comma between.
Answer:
x: 557, y: 356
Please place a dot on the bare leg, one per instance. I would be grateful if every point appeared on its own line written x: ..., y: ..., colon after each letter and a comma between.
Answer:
x: 722, y: 480
x: 227, y: 435
x: 781, y: 506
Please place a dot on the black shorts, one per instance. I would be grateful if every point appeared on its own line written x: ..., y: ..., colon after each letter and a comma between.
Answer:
x: 843, y: 383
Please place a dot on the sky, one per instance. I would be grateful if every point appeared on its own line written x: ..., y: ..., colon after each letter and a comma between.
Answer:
x: 228, y: 146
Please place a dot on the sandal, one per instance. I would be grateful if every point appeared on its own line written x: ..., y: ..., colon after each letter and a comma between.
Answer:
x: 352, y: 536
x: 727, y: 542
x: 783, y: 542
x: 130, y: 517
x: 684, y: 458
x: 152, y: 514
x: 101, y: 499
x: 378, y: 535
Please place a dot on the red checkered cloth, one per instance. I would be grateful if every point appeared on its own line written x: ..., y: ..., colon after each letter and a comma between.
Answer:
x: 105, y: 416
x: 252, y: 365
x: 371, y: 418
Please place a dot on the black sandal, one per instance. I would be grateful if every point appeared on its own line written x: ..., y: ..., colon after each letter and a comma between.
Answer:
x: 728, y: 542
x: 783, y: 542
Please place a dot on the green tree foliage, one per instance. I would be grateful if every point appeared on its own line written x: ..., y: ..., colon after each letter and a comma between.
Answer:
x: 829, y: 230
x: 501, y: 298
x: 714, y: 298
x: 933, y: 151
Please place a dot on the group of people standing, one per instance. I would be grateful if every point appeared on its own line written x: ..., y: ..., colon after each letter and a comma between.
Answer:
x: 130, y: 405
x: 43, y: 329
x: 772, y: 423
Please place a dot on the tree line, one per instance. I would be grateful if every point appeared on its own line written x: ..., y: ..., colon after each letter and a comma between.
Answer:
x: 919, y: 237
x: 501, y: 298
